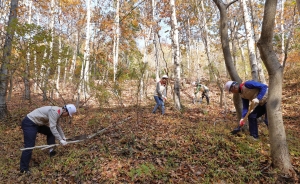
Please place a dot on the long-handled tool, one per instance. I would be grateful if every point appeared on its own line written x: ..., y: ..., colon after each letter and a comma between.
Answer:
x: 48, y: 146
x: 250, y: 109
x: 79, y: 138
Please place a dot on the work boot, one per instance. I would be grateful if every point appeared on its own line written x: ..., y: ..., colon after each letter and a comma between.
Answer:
x: 25, y: 172
x: 253, y: 138
x: 52, y: 153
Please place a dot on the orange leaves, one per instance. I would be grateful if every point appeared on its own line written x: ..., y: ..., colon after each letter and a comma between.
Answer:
x: 70, y: 2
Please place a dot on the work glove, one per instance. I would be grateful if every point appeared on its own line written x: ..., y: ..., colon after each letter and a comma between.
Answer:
x: 255, y: 100
x: 63, y: 142
x: 242, y: 122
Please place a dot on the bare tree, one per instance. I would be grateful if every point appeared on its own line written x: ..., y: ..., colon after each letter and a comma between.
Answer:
x: 279, y: 149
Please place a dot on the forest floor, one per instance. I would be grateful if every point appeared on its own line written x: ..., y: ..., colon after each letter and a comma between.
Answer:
x: 192, y: 146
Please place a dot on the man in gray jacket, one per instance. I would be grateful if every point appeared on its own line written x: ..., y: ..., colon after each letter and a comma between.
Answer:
x: 44, y: 120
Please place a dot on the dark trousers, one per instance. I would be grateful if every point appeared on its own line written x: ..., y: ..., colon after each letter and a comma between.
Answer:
x: 30, y: 130
x: 205, y: 94
x: 252, y: 119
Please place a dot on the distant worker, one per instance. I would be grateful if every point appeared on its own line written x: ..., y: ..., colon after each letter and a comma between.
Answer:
x: 44, y: 120
x: 200, y: 88
x: 250, y: 91
x: 160, y: 94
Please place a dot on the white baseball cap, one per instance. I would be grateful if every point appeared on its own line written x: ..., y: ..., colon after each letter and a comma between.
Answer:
x: 164, y: 77
x: 228, y: 85
x: 71, y: 109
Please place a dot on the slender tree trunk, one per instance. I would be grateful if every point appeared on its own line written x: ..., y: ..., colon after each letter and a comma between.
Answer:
x: 6, y: 58
x: 298, y: 5
x: 4, y: 14
x: 65, y: 71
x: 36, y: 78
x: 250, y: 41
x: 59, y: 57
x: 282, y: 30
x: 198, y: 65
x: 145, y: 61
x: 175, y: 55
x: 87, y: 71
x: 116, y: 38
x: 188, y: 53
x: 74, y: 58
x: 279, y: 148
x: 27, y: 71
x: 211, y: 64
x: 243, y: 59
x: 47, y: 69
x: 233, y: 47
x: 256, y: 37
x: 227, y: 54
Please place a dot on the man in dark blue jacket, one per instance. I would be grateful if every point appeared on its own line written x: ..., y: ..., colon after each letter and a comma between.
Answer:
x: 250, y: 91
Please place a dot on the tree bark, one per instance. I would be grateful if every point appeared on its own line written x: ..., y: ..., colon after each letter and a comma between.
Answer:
x: 227, y: 54
x: 298, y: 5
x: 175, y: 55
x: 279, y: 149
x: 87, y: 71
x: 27, y: 70
x: 211, y: 64
x: 116, y: 38
x: 250, y: 41
x: 6, y: 58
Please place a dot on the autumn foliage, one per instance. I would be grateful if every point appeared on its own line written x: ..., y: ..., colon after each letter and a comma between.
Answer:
x: 192, y: 146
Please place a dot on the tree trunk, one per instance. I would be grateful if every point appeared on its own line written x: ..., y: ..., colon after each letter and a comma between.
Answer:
x: 59, y: 56
x: 175, y: 55
x: 27, y: 70
x: 243, y: 58
x: 87, y: 71
x: 226, y: 52
x: 279, y: 149
x: 74, y: 58
x: 116, y: 38
x: 258, y: 59
x: 214, y: 71
x: 6, y: 58
x: 282, y: 30
x: 298, y: 5
x: 250, y: 41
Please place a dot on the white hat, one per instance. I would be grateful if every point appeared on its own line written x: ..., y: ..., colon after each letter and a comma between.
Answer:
x: 164, y: 77
x: 71, y: 109
x: 228, y: 85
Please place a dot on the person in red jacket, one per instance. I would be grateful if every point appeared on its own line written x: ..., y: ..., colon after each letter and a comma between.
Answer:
x: 250, y: 91
x: 44, y: 120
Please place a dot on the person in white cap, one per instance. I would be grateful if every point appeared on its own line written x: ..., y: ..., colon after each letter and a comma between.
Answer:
x: 160, y: 94
x: 250, y: 91
x: 44, y: 120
